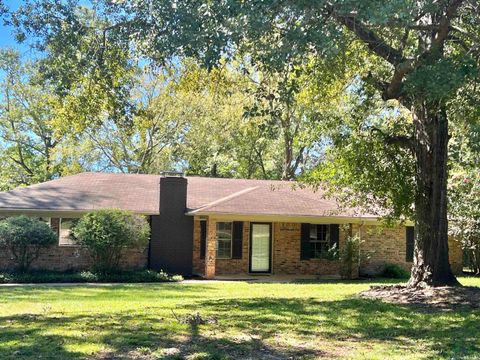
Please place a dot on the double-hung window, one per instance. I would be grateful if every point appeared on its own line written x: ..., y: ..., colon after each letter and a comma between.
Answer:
x: 224, y: 240
x: 319, y: 241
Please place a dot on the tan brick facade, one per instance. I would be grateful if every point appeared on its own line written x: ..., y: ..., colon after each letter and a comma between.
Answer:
x: 382, y: 245
x: 64, y: 258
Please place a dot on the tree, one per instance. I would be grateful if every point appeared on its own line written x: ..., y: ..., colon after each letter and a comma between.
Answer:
x: 289, y: 122
x: 25, y: 237
x: 28, y: 141
x: 107, y: 233
x: 425, y: 52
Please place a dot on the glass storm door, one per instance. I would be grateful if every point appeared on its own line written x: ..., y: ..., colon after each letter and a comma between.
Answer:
x: 260, y: 248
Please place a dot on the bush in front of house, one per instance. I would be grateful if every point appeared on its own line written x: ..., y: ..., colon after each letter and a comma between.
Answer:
x: 25, y: 237
x: 395, y: 272
x: 106, y: 233
x: 350, y: 258
x: 137, y: 276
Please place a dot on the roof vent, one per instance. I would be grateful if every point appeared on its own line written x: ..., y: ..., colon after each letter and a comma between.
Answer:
x: 172, y: 174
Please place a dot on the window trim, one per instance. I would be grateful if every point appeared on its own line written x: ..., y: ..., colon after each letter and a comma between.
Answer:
x: 231, y: 240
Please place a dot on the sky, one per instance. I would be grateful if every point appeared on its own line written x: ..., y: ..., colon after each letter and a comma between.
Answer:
x: 6, y: 36
x: 7, y: 39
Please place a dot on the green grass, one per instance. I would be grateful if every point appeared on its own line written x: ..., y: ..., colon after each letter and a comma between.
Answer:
x: 272, y: 321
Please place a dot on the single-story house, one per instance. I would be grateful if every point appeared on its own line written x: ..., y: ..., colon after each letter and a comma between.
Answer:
x: 212, y: 227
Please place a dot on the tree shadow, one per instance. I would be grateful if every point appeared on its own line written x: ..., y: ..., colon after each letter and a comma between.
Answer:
x: 126, y: 336
x: 245, y: 329
x: 453, y: 334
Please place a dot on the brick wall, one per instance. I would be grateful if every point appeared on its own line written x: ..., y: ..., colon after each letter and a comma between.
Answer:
x: 222, y: 266
x: 286, y: 253
x: 388, y: 246
x: 198, y: 263
x: 64, y: 258
x: 236, y: 266
x: 383, y: 245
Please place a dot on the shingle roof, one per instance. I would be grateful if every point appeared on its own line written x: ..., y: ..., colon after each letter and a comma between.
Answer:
x: 141, y: 193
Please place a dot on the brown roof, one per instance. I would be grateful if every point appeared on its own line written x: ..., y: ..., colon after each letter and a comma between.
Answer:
x: 140, y: 193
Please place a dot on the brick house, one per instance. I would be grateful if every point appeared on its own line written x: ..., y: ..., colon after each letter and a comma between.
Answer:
x: 212, y: 227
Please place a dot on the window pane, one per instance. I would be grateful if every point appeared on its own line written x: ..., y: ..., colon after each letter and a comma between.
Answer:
x: 224, y: 240
x: 66, y: 225
x: 322, y: 232
x: 313, y: 232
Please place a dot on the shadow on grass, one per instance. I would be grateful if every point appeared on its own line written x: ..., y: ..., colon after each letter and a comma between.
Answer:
x: 246, y: 328
x: 450, y: 335
x: 123, y: 336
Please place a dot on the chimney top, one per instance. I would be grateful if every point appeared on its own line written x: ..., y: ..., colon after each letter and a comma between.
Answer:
x: 172, y: 174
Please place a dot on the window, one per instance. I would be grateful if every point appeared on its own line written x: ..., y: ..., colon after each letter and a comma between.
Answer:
x: 44, y: 219
x: 319, y: 241
x: 64, y: 232
x: 224, y: 240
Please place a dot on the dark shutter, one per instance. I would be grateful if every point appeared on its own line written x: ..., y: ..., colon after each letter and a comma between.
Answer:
x: 410, y: 240
x: 305, y: 242
x: 237, y: 240
x: 203, y: 238
x: 334, y: 235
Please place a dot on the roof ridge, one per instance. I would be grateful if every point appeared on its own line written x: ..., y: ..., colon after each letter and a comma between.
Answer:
x: 226, y: 198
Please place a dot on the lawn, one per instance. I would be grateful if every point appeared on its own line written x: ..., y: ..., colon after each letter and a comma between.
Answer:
x: 247, y: 320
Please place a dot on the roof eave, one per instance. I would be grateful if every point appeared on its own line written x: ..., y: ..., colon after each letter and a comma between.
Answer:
x: 288, y: 218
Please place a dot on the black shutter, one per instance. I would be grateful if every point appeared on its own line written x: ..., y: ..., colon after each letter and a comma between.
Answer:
x: 305, y: 242
x: 237, y: 240
x: 334, y: 235
x: 410, y: 240
x: 203, y: 238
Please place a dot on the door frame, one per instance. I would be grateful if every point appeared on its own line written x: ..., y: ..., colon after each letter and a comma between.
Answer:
x: 269, y: 271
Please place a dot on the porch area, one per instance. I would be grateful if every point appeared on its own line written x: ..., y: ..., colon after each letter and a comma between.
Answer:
x: 228, y: 249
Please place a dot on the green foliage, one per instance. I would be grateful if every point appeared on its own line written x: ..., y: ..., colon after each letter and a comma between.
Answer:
x: 350, y: 258
x: 107, y: 232
x: 25, y: 237
x: 360, y: 166
x: 139, y: 276
x: 394, y: 271
x: 464, y: 208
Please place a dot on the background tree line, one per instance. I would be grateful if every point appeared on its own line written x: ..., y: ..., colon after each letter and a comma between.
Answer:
x: 233, y: 121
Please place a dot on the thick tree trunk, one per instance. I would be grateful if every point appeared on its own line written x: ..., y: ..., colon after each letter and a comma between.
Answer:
x: 431, y: 264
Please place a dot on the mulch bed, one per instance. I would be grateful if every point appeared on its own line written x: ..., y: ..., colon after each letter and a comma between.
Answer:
x: 431, y: 298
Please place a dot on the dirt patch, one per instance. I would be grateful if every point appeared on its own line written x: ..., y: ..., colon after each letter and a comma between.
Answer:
x: 435, y: 298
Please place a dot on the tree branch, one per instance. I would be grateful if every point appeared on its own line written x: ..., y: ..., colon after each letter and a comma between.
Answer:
x: 400, y: 140
x: 372, y: 40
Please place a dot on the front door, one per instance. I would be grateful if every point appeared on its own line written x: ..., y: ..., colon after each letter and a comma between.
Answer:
x: 260, y: 247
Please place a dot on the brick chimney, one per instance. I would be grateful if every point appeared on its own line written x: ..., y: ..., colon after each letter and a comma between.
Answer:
x: 171, y: 244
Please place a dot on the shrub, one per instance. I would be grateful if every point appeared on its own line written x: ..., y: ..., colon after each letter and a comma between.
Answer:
x: 138, y: 276
x: 25, y: 237
x: 106, y: 233
x: 350, y: 257
x: 395, y: 272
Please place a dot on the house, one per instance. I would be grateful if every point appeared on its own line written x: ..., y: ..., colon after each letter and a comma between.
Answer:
x: 212, y: 227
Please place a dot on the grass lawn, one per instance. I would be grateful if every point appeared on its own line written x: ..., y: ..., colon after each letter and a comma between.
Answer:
x: 268, y: 321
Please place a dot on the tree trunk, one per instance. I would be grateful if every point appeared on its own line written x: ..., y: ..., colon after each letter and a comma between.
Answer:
x: 431, y: 264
